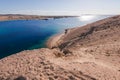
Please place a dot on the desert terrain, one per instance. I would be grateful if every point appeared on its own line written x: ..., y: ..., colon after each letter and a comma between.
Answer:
x: 7, y: 17
x: 90, y: 52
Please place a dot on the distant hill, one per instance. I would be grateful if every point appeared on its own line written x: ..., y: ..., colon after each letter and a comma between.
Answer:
x: 4, y: 17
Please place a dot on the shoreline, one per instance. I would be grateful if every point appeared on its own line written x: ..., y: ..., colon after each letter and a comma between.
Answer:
x: 54, y: 40
x: 25, y: 19
x: 22, y: 19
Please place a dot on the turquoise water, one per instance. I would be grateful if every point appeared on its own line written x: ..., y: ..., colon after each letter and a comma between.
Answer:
x: 19, y: 35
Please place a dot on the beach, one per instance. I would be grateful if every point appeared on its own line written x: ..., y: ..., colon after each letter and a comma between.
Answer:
x: 54, y: 41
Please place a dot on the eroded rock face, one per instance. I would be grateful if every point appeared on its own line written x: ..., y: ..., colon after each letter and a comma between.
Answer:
x: 100, y: 32
x: 91, y: 52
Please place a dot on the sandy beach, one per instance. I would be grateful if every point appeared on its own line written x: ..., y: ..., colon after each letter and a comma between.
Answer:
x: 54, y: 40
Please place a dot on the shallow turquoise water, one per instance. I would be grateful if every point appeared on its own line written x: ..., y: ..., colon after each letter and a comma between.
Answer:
x: 19, y: 35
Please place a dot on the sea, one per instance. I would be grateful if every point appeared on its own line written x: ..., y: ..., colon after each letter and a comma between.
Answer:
x: 20, y: 35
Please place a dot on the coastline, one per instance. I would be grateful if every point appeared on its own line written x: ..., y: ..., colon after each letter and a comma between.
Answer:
x: 96, y: 61
x: 9, y: 17
x: 54, y: 40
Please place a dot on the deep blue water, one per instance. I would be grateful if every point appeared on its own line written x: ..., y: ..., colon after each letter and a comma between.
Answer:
x: 19, y: 35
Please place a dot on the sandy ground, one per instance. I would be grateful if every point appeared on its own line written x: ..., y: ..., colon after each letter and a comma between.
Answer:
x: 46, y: 64
x: 37, y: 65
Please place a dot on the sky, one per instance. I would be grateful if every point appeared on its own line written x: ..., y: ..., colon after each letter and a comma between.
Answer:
x: 59, y: 7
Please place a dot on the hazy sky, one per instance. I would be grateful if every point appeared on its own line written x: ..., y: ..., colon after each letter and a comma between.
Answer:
x: 60, y: 7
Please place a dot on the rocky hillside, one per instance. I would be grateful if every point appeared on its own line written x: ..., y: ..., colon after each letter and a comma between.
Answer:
x: 90, y: 52
x: 100, y: 32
